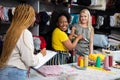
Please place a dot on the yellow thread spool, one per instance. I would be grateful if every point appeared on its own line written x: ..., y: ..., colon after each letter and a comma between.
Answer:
x: 81, y: 63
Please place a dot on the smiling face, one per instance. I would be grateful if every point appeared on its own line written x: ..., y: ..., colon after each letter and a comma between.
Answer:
x: 63, y: 23
x: 84, y: 18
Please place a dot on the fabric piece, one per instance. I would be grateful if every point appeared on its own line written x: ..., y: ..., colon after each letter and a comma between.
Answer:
x: 117, y: 19
x: 110, y: 4
x: 93, y: 20
x: 100, y: 21
x: 37, y: 43
x: 10, y: 15
x: 112, y: 21
x: 5, y: 13
x: 43, y: 43
x: 1, y: 45
x: 99, y: 5
x: 1, y: 13
x: 44, y: 17
x: 100, y: 40
x: 13, y: 10
x: 75, y: 18
x: 93, y: 2
x: 53, y: 70
x: 38, y: 18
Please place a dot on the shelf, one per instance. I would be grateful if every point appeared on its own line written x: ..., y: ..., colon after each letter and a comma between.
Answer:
x: 87, y: 6
x: 115, y: 27
x: 95, y: 6
x: 5, y: 22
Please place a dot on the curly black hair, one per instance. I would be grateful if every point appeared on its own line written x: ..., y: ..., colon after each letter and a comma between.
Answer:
x: 64, y: 13
x: 55, y: 16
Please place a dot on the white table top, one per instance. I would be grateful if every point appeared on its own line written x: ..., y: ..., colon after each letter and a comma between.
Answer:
x: 71, y: 73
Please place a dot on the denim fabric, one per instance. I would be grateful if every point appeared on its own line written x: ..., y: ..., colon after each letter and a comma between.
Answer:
x: 5, y: 13
x: 12, y: 73
x: 101, y: 40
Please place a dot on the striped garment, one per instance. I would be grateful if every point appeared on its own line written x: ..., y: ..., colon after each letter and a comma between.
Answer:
x: 61, y: 58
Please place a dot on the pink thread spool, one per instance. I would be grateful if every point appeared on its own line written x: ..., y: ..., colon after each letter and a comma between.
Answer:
x: 110, y: 61
x: 106, y: 62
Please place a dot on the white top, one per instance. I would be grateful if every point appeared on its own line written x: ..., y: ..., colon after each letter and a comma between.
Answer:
x: 23, y: 54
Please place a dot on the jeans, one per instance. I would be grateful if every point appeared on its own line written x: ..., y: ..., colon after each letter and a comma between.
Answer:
x: 13, y: 73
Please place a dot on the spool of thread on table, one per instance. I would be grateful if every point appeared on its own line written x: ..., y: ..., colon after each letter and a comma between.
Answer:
x: 81, y: 62
x: 78, y: 62
x: 98, y: 62
x: 86, y: 61
x: 106, y: 62
x: 110, y: 60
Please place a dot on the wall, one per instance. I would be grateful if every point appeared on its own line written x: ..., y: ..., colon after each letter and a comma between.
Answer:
x: 13, y: 3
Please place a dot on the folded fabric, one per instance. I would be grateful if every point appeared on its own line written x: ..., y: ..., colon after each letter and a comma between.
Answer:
x: 37, y: 43
x: 100, y: 40
x: 53, y: 70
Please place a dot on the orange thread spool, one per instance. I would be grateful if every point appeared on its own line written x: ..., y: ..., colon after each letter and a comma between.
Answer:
x: 78, y: 62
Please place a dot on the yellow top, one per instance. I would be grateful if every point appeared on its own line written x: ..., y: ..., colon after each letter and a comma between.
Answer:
x: 58, y: 37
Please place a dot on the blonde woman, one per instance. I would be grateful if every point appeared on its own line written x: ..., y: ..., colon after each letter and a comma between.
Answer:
x: 18, y: 49
x: 84, y: 27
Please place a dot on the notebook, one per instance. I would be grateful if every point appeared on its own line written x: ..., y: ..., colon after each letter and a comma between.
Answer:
x: 46, y: 58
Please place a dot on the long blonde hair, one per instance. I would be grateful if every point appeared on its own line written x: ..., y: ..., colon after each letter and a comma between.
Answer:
x: 89, y: 18
x: 23, y: 17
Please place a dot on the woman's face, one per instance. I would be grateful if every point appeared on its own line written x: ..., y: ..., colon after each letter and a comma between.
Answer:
x: 84, y: 18
x: 63, y: 23
x: 33, y: 22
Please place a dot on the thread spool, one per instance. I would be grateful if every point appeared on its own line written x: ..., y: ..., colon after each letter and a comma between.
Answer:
x: 98, y: 62
x: 110, y: 61
x: 78, y: 62
x: 106, y: 62
x: 86, y: 61
x: 81, y: 63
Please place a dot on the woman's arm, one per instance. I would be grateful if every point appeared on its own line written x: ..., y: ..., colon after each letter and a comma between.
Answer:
x: 91, y: 40
x: 72, y: 34
x: 69, y: 45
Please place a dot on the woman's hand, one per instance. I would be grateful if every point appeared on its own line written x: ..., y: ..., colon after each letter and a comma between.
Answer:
x: 43, y: 51
x: 79, y: 36
x: 75, y: 35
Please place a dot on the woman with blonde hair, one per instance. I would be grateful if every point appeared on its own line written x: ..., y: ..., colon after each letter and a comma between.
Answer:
x: 18, y: 49
x: 84, y: 27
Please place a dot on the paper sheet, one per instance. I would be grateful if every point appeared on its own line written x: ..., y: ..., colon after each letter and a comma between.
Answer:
x: 46, y: 58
